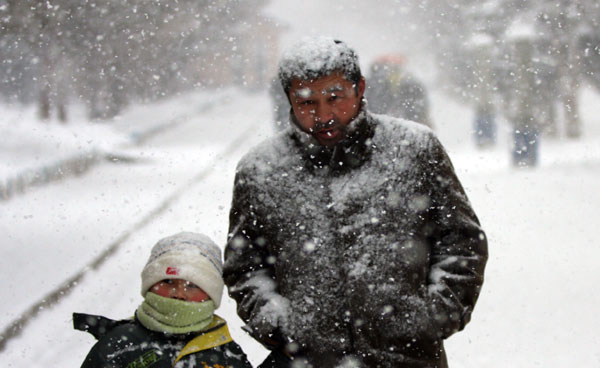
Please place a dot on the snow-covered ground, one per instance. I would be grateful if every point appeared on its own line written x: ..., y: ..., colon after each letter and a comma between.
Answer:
x: 538, y: 306
x: 52, y: 232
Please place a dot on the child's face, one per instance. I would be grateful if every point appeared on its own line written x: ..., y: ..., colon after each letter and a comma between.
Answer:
x: 179, y: 289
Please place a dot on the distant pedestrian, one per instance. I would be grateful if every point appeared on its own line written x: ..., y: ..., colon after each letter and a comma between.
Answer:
x: 280, y: 105
x: 485, y: 129
x: 525, y: 104
x: 394, y: 91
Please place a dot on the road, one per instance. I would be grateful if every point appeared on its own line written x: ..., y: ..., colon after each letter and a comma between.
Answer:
x: 180, y: 180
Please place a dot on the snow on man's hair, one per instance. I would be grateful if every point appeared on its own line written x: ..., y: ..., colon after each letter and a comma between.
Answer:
x: 316, y: 57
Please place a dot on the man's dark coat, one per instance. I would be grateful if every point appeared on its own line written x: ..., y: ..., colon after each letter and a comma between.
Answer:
x: 369, y: 251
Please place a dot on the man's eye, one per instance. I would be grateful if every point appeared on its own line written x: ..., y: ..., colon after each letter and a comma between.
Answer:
x: 333, y: 97
x: 306, y: 102
x: 168, y: 281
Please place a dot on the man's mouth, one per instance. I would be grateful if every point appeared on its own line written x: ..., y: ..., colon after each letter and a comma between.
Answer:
x: 327, y: 133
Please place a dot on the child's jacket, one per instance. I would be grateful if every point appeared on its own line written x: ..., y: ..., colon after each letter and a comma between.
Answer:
x: 128, y: 344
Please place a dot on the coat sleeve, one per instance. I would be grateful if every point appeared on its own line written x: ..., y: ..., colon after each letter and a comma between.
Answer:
x: 248, y: 270
x: 97, y: 326
x: 458, y: 247
x: 95, y: 359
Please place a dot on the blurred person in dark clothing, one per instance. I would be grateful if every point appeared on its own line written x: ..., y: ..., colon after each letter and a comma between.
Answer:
x: 394, y: 91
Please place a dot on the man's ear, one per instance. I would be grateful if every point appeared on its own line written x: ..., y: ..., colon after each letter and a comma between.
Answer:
x: 362, y: 84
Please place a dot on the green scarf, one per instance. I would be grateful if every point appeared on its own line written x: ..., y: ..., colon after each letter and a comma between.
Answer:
x: 175, y: 316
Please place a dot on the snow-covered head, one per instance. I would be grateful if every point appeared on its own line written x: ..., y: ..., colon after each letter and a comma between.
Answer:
x: 316, y: 57
x: 187, y: 256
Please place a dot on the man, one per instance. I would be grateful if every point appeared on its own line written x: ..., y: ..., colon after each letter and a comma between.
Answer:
x: 351, y: 239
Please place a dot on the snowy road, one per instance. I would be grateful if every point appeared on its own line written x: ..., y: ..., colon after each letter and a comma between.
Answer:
x: 55, y: 230
x: 538, y: 307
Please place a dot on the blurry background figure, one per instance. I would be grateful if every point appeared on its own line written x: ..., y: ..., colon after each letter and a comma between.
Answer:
x: 548, y: 100
x: 481, y: 89
x: 485, y: 125
x: 392, y: 90
x: 589, y: 46
x: 280, y: 105
x: 524, y: 106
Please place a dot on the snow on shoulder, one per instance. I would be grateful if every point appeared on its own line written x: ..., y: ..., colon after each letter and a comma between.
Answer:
x: 269, y: 155
x: 414, y: 133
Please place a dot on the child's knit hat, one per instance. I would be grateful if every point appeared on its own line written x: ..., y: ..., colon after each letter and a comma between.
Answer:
x: 188, y: 256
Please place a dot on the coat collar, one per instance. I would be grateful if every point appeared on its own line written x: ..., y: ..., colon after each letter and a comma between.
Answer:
x: 216, y: 334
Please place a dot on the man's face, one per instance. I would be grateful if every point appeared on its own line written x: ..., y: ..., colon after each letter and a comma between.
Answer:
x: 325, y: 106
x: 179, y: 289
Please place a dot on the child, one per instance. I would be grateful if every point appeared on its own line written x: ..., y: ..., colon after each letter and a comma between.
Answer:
x: 175, y: 326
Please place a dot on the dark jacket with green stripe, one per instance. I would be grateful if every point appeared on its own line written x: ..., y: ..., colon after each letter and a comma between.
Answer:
x: 128, y: 344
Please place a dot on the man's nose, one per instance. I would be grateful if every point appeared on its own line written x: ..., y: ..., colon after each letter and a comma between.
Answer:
x: 323, y: 113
